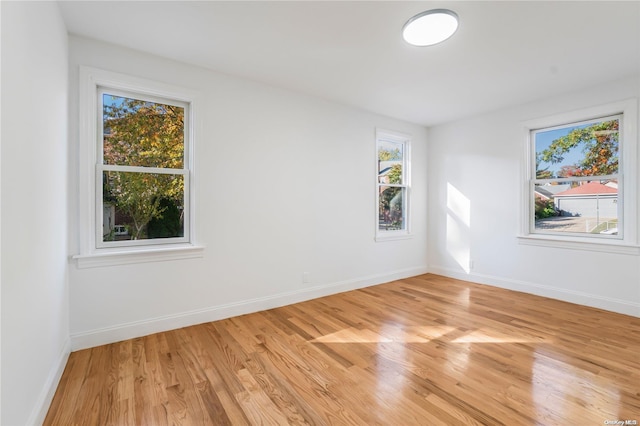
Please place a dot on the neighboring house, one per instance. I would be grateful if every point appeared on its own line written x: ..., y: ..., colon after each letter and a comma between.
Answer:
x: 592, y: 199
x: 384, y: 167
x: 108, y: 218
x: 547, y: 192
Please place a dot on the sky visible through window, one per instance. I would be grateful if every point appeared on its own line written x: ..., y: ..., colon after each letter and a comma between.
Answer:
x: 544, y: 139
x: 112, y: 100
x: 392, y: 147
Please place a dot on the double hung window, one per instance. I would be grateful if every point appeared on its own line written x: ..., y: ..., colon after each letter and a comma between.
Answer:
x: 580, y: 179
x: 135, y: 171
x: 141, y: 172
x: 575, y: 189
x: 392, y: 189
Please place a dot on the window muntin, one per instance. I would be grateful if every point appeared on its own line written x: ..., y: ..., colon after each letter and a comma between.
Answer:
x: 392, y: 174
x: 575, y: 189
x: 141, y: 178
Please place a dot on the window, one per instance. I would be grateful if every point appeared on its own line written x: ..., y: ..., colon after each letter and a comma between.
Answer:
x: 142, y: 174
x: 136, y: 174
x: 579, y: 171
x: 575, y: 188
x: 392, y: 187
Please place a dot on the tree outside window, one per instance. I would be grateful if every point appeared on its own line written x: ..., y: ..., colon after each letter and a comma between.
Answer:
x: 143, y: 168
x: 577, y: 176
x: 392, y: 183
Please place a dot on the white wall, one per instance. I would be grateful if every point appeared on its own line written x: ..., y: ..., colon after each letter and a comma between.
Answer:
x: 285, y: 184
x: 35, y: 322
x: 474, y: 196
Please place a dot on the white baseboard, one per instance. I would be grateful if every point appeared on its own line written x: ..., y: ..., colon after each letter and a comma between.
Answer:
x: 571, y: 296
x: 170, y: 322
x: 43, y: 402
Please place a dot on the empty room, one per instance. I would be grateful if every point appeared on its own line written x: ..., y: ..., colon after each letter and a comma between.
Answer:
x: 320, y: 212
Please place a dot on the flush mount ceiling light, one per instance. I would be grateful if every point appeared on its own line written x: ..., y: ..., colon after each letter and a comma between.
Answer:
x: 430, y: 27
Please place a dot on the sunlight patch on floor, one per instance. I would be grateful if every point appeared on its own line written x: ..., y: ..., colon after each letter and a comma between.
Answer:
x: 492, y: 336
x: 417, y: 334
x: 556, y: 384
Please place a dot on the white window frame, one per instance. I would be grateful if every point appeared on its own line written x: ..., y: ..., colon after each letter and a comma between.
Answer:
x: 405, y: 140
x: 101, y: 167
x: 93, y: 251
x: 627, y: 242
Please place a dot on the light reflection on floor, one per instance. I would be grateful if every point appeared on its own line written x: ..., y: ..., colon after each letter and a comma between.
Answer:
x: 555, y: 383
x: 552, y: 388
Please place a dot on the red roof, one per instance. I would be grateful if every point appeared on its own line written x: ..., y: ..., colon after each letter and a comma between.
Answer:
x: 589, y: 188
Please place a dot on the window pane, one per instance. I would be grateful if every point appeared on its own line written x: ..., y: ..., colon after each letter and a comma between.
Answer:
x: 578, y: 150
x: 577, y: 207
x: 390, y: 161
x: 142, y: 133
x: 140, y: 206
x: 391, y: 208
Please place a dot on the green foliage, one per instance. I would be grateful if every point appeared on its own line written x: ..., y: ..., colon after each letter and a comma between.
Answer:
x: 169, y: 224
x: 145, y: 134
x: 138, y: 196
x: 544, y: 209
x: 142, y: 134
x: 395, y: 174
x: 389, y: 155
x: 542, y: 173
x: 600, y: 146
x: 390, y: 208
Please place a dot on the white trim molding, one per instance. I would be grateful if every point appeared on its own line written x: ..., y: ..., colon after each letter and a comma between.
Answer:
x: 628, y: 243
x: 41, y: 408
x: 579, y: 244
x: 404, y: 140
x: 91, y: 252
x: 582, y: 298
x: 139, y: 255
x: 141, y: 328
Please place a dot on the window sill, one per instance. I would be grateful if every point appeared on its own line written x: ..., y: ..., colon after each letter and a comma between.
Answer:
x: 609, y: 246
x: 393, y: 236
x: 129, y: 256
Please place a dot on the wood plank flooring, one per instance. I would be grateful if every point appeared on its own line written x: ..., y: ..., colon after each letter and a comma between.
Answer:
x: 426, y: 350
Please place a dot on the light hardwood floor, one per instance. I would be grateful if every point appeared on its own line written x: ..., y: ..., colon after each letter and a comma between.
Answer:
x: 426, y: 350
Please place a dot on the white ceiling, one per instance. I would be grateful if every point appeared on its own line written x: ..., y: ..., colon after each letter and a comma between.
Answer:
x: 503, y: 54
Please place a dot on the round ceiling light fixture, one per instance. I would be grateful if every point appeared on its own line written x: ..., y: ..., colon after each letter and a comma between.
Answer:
x: 430, y: 27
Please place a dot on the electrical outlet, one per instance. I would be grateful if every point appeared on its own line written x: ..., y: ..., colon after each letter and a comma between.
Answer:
x: 305, y: 277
